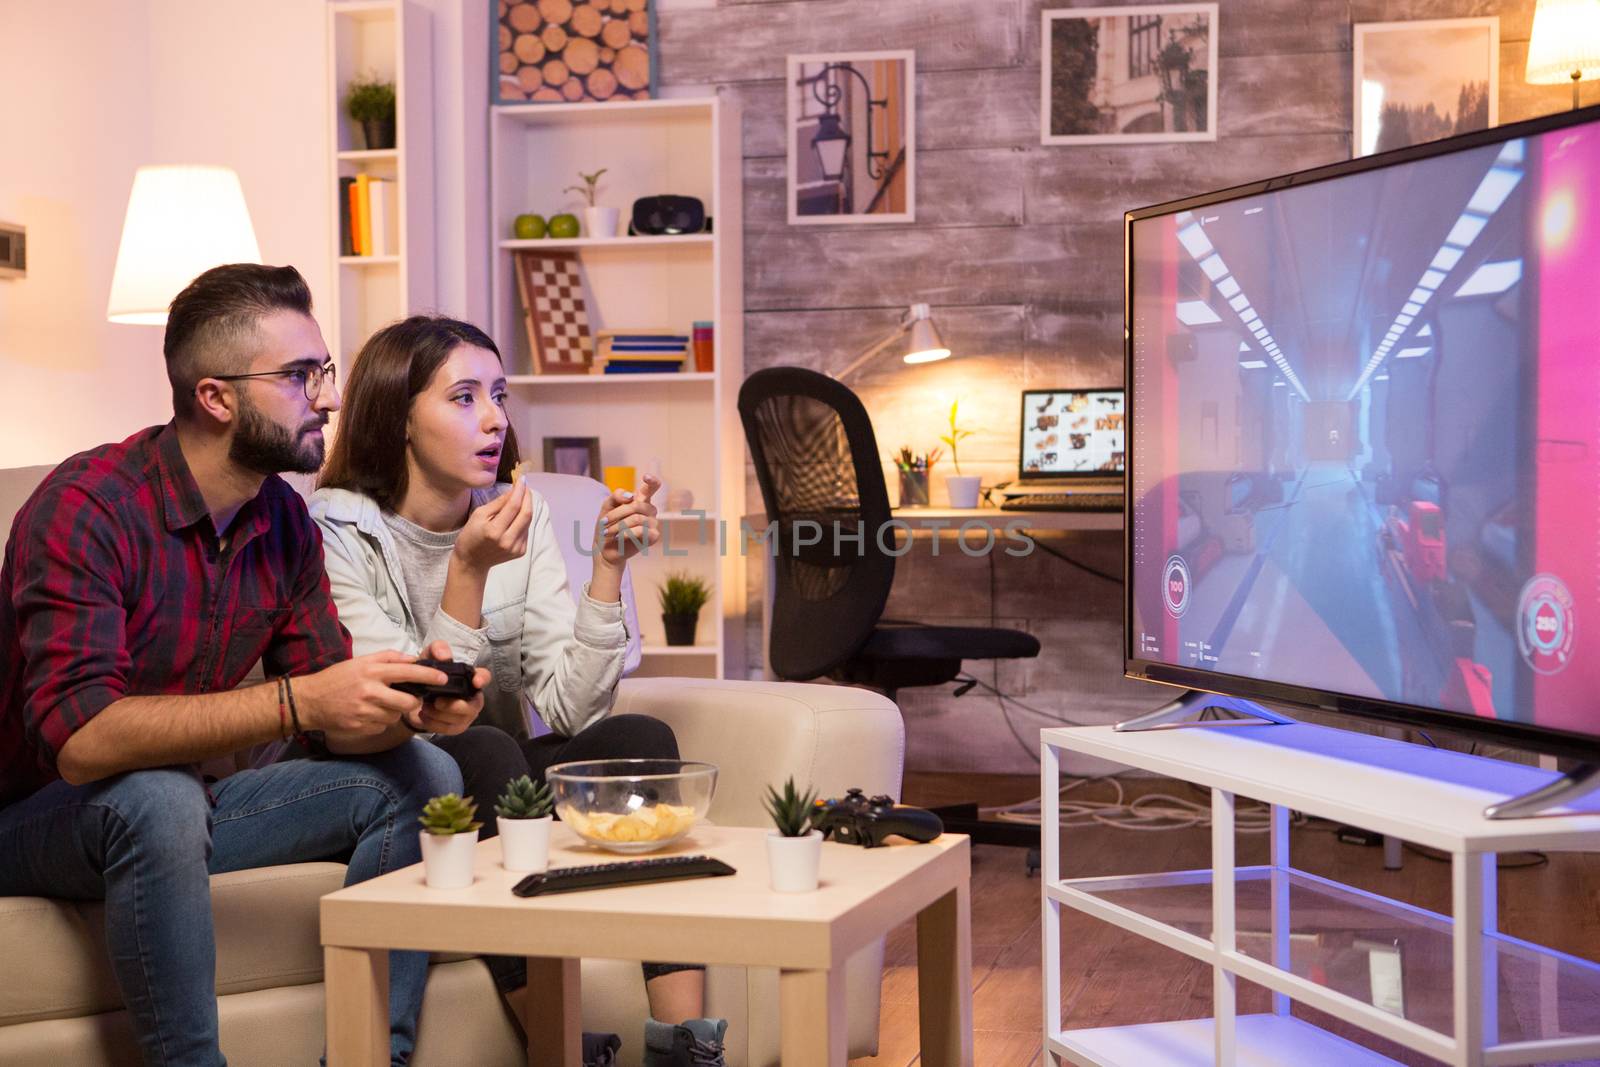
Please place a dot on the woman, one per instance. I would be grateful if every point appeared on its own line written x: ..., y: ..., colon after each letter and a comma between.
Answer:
x: 424, y: 540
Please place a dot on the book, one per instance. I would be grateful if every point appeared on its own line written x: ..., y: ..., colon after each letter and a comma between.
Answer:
x: 346, y: 244
x: 624, y: 366
x: 355, y: 217
x: 385, y: 211
x: 364, y: 215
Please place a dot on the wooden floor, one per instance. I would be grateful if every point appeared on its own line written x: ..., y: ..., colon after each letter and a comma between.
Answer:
x: 1110, y: 977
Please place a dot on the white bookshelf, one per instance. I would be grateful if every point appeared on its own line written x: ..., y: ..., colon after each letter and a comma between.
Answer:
x: 1451, y: 987
x: 389, y: 38
x: 687, y: 422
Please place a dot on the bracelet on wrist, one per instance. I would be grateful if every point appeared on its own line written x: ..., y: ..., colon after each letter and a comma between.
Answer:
x: 294, y: 712
x: 283, y: 711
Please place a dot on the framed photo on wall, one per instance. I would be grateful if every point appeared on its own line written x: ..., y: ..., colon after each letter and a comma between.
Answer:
x: 852, y: 137
x: 1420, y: 81
x: 572, y: 455
x: 1128, y: 75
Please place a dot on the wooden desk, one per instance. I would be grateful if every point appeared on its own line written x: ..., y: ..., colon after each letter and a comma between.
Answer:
x: 939, y: 520
x: 735, y: 920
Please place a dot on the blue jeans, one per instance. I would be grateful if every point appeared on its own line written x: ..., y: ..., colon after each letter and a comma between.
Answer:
x: 145, y: 842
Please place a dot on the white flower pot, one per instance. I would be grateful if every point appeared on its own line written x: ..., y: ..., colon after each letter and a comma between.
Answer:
x: 793, y: 862
x: 963, y: 490
x: 601, y: 221
x: 525, y: 843
x: 447, y: 859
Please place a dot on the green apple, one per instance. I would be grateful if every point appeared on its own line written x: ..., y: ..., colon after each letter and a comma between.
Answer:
x: 564, y: 226
x: 528, y: 227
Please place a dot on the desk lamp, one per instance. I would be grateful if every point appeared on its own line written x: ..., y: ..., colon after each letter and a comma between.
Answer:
x: 1565, y: 44
x: 925, y: 346
x: 181, y: 221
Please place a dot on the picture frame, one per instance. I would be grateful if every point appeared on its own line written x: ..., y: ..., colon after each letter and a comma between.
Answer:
x: 851, y: 137
x: 1412, y: 81
x: 573, y: 455
x: 555, y: 316
x: 1128, y: 75
x: 558, y: 52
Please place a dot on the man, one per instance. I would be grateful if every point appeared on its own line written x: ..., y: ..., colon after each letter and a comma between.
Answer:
x: 141, y: 584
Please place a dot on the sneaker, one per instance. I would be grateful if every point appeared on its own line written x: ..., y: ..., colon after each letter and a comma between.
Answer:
x: 695, y: 1043
x: 600, y: 1050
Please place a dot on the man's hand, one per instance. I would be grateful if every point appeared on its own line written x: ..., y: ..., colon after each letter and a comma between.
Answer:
x: 497, y: 532
x: 450, y: 716
x: 355, y: 698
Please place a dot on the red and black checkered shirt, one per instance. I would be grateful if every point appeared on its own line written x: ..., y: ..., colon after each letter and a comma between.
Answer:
x: 114, y: 585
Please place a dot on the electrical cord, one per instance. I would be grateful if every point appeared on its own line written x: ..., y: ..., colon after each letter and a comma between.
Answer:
x: 1064, y: 558
x: 1152, y: 812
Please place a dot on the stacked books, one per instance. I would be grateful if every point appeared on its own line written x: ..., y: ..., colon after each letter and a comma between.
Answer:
x: 640, y: 351
x: 368, y: 217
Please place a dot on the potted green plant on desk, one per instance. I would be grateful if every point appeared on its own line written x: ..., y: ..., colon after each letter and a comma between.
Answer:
x: 963, y: 488
x: 449, y: 839
x: 682, y: 596
x: 524, y: 825
x: 794, y: 852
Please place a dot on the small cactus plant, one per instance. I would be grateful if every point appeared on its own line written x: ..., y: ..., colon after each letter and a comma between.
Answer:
x: 790, y: 810
x: 449, y: 814
x: 525, y: 799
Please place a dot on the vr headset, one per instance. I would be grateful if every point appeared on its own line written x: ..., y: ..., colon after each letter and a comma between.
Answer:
x: 655, y: 216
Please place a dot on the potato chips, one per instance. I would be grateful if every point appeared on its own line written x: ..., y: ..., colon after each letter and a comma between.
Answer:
x: 659, y: 822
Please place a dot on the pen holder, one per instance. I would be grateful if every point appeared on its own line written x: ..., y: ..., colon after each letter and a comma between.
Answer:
x: 913, y: 489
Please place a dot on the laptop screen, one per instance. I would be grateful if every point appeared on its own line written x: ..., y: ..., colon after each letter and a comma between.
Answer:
x: 1072, y: 434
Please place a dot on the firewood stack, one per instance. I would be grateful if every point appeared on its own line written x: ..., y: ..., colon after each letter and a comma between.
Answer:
x: 554, y: 50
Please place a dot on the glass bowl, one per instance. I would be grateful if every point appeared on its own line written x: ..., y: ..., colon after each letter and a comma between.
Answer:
x: 632, y: 805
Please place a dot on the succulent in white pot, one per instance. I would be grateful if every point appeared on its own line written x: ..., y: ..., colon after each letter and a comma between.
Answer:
x: 794, y: 850
x: 449, y: 841
x: 524, y: 824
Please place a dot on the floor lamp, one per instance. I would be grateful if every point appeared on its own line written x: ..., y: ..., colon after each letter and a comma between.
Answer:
x: 1565, y: 43
x: 181, y: 222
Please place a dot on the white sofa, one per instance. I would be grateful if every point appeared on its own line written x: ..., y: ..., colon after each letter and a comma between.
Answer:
x: 58, y: 1004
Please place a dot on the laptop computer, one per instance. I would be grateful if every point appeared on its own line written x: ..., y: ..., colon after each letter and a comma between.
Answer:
x: 1072, y: 442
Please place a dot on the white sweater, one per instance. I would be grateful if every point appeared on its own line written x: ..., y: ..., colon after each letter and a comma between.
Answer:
x: 564, y: 662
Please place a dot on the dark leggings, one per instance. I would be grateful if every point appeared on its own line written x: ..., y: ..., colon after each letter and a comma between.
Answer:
x: 489, y: 758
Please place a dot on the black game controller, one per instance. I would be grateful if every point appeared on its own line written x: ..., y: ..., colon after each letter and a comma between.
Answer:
x: 457, y: 686
x: 857, y: 819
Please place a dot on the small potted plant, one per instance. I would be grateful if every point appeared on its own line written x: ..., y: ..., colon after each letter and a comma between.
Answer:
x: 449, y: 840
x: 963, y: 488
x: 598, y: 221
x: 682, y: 596
x: 524, y: 810
x: 794, y: 851
x: 370, y: 104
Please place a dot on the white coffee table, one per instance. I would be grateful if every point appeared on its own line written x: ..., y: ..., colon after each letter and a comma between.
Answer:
x: 736, y: 920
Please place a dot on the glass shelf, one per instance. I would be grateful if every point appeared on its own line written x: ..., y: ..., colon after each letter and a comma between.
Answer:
x: 1372, y: 949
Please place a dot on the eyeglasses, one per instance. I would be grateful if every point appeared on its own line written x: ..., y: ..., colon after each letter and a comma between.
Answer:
x: 310, y: 378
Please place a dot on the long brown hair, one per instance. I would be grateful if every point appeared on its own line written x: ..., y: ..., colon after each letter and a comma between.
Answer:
x: 396, y: 363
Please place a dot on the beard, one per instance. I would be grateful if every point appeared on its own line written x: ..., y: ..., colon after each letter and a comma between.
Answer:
x: 266, y: 447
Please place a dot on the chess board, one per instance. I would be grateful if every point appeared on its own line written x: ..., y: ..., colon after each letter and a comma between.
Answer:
x: 557, y: 322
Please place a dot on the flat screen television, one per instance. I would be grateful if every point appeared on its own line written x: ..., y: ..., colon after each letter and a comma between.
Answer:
x: 1364, y: 437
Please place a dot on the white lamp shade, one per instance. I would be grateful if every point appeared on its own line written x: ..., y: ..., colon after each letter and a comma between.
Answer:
x: 926, y: 344
x: 181, y: 222
x: 1565, y: 39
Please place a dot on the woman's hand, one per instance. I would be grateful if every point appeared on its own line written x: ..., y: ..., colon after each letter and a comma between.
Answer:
x: 627, y: 526
x: 497, y: 532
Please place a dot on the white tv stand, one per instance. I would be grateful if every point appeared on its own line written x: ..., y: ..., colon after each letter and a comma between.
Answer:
x: 1275, y: 926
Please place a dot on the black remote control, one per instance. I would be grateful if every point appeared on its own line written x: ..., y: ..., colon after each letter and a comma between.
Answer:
x: 606, y: 875
x: 457, y: 686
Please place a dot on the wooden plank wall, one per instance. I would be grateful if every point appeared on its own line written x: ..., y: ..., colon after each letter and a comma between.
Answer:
x: 1018, y: 248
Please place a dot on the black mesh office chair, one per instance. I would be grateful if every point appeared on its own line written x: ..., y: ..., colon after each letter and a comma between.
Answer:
x: 816, y: 460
